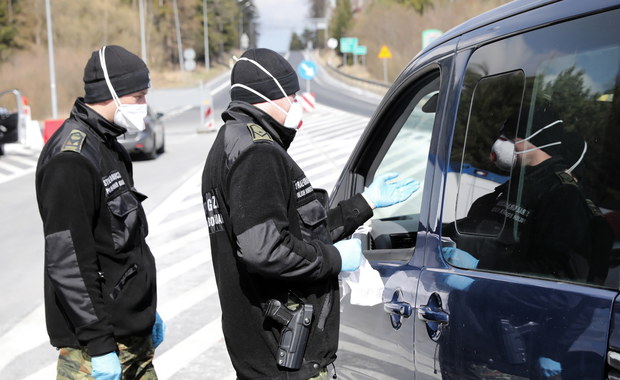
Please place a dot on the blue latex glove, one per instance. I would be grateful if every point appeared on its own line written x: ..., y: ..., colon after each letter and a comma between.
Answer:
x: 383, y: 193
x: 350, y: 254
x: 106, y: 367
x: 458, y: 282
x: 549, y: 367
x: 459, y: 258
x: 159, y: 331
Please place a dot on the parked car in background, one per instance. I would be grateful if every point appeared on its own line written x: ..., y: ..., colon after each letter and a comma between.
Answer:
x: 12, y: 117
x: 8, y: 128
x: 148, y: 143
x: 445, y: 319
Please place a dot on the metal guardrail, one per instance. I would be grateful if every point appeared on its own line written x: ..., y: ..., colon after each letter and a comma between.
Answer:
x: 379, y: 87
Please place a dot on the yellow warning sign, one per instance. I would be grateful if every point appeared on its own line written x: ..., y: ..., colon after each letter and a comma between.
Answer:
x: 385, y: 52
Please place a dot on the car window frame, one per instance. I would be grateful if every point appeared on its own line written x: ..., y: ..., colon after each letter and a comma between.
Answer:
x: 367, y: 164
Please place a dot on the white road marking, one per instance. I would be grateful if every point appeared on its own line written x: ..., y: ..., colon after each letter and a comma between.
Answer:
x: 178, y: 305
x: 188, y: 350
x: 28, y: 334
x: 172, y: 272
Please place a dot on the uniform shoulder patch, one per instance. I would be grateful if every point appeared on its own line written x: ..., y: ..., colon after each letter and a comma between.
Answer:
x: 258, y: 133
x: 74, y: 142
x: 566, y: 178
x: 594, y: 208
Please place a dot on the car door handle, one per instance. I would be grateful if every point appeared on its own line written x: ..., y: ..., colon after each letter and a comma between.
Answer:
x: 433, y: 316
x: 399, y: 308
x: 428, y: 314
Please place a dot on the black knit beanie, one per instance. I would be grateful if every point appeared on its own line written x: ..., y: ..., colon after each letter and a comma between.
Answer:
x: 127, y: 72
x: 249, y: 74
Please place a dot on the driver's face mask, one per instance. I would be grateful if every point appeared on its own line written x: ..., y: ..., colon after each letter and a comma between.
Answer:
x: 506, y: 155
x: 503, y: 151
x: 294, y: 115
x: 129, y: 116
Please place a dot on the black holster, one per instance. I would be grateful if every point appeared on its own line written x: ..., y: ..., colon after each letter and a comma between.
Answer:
x: 294, y: 334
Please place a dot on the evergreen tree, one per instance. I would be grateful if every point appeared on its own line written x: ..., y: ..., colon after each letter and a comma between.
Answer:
x: 419, y: 5
x: 341, y: 19
x: 7, y: 29
x: 296, y: 42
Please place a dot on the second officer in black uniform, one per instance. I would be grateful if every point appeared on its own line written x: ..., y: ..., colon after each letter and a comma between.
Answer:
x: 100, y: 289
x: 271, y: 238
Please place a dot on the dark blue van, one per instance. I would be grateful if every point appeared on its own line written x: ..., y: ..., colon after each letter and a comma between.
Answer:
x: 506, y: 264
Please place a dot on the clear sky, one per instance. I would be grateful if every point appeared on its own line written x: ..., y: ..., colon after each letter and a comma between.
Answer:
x: 277, y: 21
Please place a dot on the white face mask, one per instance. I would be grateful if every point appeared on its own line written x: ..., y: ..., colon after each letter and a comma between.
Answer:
x: 504, y: 150
x: 295, y: 113
x: 129, y: 116
x: 294, y: 116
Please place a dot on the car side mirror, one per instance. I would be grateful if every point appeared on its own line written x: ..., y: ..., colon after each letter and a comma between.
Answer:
x: 159, y: 115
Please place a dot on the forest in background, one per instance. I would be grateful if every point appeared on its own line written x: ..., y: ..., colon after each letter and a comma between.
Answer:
x: 80, y: 27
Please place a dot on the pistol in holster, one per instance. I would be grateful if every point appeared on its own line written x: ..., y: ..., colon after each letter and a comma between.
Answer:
x: 295, y: 331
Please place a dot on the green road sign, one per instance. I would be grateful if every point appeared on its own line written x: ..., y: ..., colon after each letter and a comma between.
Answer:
x: 348, y: 44
x: 429, y: 35
x: 360, y: 50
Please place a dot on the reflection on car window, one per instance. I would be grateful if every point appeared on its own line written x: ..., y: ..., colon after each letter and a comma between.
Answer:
x: 408, y: 153
x: 472, y: 173
x: 530, y: 189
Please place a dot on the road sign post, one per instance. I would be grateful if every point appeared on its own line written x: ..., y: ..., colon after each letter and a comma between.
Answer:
x: 360, y: 50
x: 307, y: 70
x: 189, y: 64
x: 347, y: 45
x: 385, y: 54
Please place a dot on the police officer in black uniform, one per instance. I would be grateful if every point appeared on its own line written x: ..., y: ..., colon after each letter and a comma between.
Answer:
x: 100, y: 289
x: 271, y: 237
x: 537, y: 223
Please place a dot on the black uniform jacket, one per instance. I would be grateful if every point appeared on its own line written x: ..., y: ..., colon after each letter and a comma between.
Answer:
x: 543, y: 225
x: 270, y: 237
x: 539, y: 225
x: 99, y: 271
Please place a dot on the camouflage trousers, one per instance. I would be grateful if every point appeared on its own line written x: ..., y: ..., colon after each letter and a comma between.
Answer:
x: 323, y: 375
x: 135, y: 354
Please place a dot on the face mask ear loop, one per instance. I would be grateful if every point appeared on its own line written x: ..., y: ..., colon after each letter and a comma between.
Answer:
x: 259, y: 94
x: 537, y: 132
x: 266, y: 72
x: 543, y: 128
x: 538, y: 147
x: 117, y: 101
x: 583, y: 153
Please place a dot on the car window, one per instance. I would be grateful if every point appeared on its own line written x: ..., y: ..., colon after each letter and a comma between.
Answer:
x: 408, y: 152
x: 532, y: 188
x: 473, y: 175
